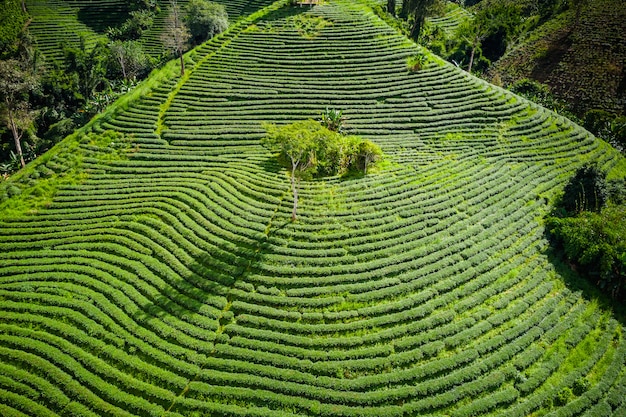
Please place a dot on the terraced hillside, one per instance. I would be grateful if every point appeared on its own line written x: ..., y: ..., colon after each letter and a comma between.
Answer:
x: 58, y: 23
x: 153, y: 269
x: 583, y: 59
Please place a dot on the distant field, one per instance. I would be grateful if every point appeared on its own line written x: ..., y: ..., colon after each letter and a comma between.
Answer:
x: 155, y: 271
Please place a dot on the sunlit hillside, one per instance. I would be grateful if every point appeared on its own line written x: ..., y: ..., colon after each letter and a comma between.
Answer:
x: 149, y: 265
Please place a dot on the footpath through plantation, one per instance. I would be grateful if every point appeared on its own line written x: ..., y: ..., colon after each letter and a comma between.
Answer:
x: 149, y: 265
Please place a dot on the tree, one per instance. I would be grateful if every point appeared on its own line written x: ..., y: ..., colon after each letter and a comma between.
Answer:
x: 205, y: 19
x: 368, y: 152
x: 15, y: 88
x: 391, y: 7
x: 308, y: 148
x: 474, y: 33
x: 417, y: 9
x: 130, y: 57
x: 176, y: 35
x: 89, y: 65
x: 595, y: 242
x: 296, y: 145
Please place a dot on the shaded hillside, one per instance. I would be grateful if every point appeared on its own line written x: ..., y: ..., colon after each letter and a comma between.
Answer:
x: 149, y: 267
x: 59, y: 23
x: 583, y: 62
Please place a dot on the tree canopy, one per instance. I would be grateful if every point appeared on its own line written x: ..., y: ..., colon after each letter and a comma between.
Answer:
x: 308, y: 148
x: 589, y: 224
x: 205, y: 19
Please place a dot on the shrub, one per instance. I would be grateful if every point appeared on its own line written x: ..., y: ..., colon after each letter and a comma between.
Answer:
x: 586, y: 191
x: 205, y: 19
x: 563, y: 396
x: 415, y: 62
x: 333, y: 120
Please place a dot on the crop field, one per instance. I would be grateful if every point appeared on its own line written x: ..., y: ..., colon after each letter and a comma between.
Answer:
x: 149, y: 266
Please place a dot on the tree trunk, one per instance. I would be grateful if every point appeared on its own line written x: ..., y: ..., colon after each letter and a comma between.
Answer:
x: 16, y: 137
x: 414, y: 30
x: 24, y: 6
x: 294, y: 190
x: 182, y: 65
x: 121, y: 59
x: 469, y: 67
x: 391, y: 7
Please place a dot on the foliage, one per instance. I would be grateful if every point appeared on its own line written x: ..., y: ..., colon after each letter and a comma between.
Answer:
x: 541, y: 94
x: 608, y: 126
x: 176, y: 35
x: 309, y: 26
x: 308, y: 148
x: 129, y: 59
x: 416, y: 11
x: 135, y: 26
x: 333, y: 119
x: 586, y: 191
x: 205, y: 19
x: 12, y: 20
x: 581, y: 385
x: 318, y: 150
x: 592, y: 233
x: 16, y: 86
x: 415, y: 62
x: 89, y: 65
x: 563, y: 396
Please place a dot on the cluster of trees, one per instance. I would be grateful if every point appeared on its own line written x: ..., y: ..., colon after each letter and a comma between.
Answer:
x: 200, y: 21
x: 41, y: 102
x: 589, y: 224
x: 311, y: 149
x: 481, y: 39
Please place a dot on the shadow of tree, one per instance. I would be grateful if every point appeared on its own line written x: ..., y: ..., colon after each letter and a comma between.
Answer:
x: 576, y: 282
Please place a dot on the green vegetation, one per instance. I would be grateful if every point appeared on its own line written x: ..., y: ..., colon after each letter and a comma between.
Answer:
x: 165, y: 277
x: 590, y: 225
x: 309, y: 149
x: 205, y: 19
x: 12, y: 21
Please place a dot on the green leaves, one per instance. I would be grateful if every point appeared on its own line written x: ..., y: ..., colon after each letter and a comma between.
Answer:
x: 307, y: 147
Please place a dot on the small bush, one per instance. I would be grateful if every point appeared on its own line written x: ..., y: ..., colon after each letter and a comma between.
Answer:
x: 581, y: 385
x: 416, y: 62
x: 563, y: 396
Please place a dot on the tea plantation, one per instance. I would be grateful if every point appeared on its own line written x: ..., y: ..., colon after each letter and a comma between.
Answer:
x: 149, y: 265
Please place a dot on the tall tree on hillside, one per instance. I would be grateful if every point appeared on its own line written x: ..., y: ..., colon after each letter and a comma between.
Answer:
x: 296, y: 144
x: 130, y: 58
x: 176, y: 34
x: 15, y: 87
x: 417, y: 9
x: 474, y: 33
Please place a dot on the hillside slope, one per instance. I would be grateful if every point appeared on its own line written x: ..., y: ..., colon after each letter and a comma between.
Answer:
x: 582, y: 60
x: 155, y: 271
x: 56, y: 24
